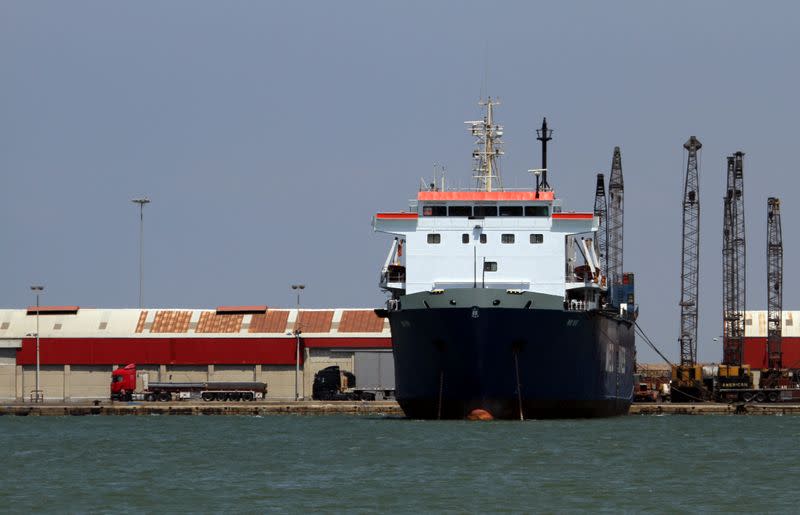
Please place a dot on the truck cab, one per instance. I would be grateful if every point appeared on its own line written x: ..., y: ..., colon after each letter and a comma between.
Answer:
x: 123, y: 382
x: 332, y: 384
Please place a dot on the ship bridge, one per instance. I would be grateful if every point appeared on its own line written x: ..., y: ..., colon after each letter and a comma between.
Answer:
x: 484, y: 239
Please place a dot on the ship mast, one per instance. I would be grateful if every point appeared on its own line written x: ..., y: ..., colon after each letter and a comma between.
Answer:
x: 487, y: 134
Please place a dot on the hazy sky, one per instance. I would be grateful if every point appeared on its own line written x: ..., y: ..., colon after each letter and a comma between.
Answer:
x: 268, y: 134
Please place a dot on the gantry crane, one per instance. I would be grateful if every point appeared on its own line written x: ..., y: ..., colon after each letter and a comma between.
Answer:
x: 774, y: 284
x: 687, y: 377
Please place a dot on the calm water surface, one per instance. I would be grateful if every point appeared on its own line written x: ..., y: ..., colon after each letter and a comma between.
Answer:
x: 374, y: 464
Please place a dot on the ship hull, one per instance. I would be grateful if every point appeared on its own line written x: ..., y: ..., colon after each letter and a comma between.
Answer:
x: 511, y: 362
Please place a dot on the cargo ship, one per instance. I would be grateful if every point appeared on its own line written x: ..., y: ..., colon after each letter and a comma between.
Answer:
x: 499, y: 304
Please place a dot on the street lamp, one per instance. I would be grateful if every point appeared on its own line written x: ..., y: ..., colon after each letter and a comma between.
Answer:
x: 298, y: 288
x: 37, y: 393
x: 141, y: 201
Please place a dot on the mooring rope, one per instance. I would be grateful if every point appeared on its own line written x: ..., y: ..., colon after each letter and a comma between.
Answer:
x: 519, y: 385
x: 441, y: 388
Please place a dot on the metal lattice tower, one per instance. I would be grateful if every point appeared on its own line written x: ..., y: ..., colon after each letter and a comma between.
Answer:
x: 734, y: 263
x: 690, y: 259
x: 616, y: 190
x: 728, y: 282
x: 601, y: 212
x: 774, y: 283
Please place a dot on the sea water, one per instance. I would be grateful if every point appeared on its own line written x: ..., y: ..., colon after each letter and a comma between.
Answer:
x: 370, y: 464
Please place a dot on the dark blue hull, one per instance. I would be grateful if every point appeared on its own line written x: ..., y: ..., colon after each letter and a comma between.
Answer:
x: 544, y: 363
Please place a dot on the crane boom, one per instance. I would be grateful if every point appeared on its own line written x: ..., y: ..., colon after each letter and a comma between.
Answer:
x: 774, y: 283
x: 690, y: 256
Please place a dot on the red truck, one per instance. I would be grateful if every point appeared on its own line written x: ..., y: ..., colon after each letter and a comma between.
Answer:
x: 126, y: 385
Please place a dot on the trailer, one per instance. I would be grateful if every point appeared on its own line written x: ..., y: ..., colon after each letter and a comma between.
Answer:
x: 741, y: 384
x: 758, y: 394
x: 127, y: 385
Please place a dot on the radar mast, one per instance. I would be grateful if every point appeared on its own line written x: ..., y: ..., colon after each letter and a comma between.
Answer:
x: 488, y: 140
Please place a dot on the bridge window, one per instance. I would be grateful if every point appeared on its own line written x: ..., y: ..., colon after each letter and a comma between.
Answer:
x: 460, y: 211
x: 537, y: 238
x: 510, y: 210
x: 434, y: 238
x: 536, y: 210
x: 507, y: 238
x: 465, y: 238
x: 434, y: 211
x: 490, y: 266
x: 483, y: 238
x: 485, y: 211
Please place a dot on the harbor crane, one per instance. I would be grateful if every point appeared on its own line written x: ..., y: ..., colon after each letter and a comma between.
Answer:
x: 690, y: 258
x: 616, y: 212
x: 774, y: 284
x: 601, y: 212
x: 734, y: 263
x: 687, y: 376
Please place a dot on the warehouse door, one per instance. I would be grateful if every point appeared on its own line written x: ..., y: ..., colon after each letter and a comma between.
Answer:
x: 186, y: 374
x: 233, y: 373
x: 51, y: 381
x: 374, y: 369
x: 90, y: 381
x: 8, y: 374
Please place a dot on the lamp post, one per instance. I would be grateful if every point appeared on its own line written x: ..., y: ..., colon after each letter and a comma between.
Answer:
x: 37, y: 290
x: 141, y: 201
x: 298, y: 288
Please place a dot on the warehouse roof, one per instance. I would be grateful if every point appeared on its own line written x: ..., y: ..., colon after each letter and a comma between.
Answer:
x: 198, y: 323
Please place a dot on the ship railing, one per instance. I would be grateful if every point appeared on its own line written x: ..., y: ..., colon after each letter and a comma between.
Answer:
x: 577, y: 305
x: 394, y: 274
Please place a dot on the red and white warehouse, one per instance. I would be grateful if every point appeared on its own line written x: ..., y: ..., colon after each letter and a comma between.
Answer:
x: 80, y: 347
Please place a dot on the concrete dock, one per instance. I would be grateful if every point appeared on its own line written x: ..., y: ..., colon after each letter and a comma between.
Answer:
x: 203, y: 408
x: 714, y: 408
x: 388, y: 408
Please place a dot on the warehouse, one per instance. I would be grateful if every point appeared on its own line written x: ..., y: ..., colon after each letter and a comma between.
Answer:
x: 78, y: 347
x: 755, y: 344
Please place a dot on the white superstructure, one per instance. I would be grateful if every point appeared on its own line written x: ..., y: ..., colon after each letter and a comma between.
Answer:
x: 490, y: 238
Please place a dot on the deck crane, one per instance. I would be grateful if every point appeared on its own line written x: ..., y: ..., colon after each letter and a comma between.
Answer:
x: 687, y: 376
x: 616, y: 211
x: 774, y: 284
x: 601, y: 212
x: 734, y: 263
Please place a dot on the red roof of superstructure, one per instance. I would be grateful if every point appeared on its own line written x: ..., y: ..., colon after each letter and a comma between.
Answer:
x: 397, y: 216
x: 485, y: 195
x: 574, y: 216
